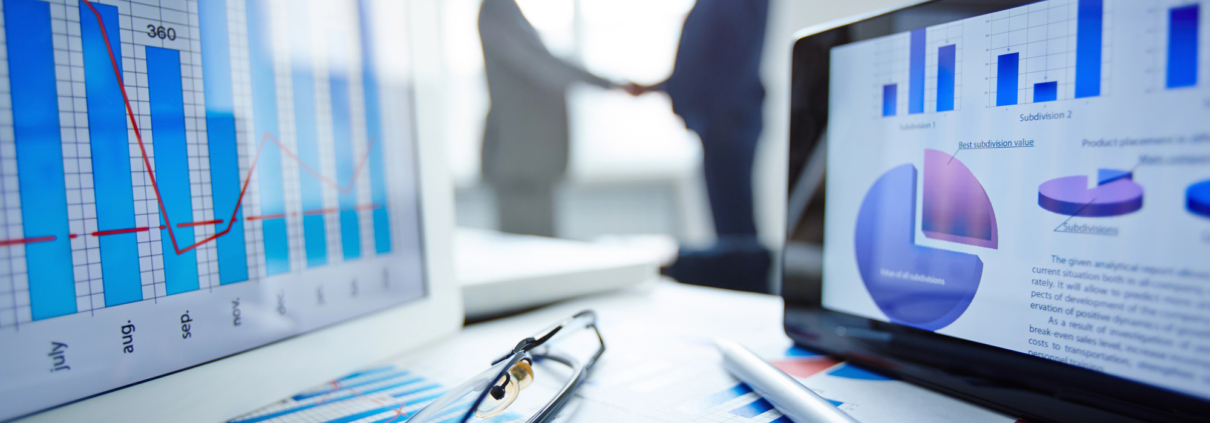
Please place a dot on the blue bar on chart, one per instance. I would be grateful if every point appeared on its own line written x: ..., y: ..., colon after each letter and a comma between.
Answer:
x: 110, y: 144
x: 1007, y: 67
x: 378, y: 178
x: 1182, y: 46
x: 1089, y: 30
x: 222, y: 142
x: 753, y: 409
x: 172, y: 167
x: 947, y: 69
x: 916, y: 72
x: 31, y: 68
x: 721, y: 397
x: 1046, y: 91
x: 269, y: 164
x: 890, y: 98
x: 315, y: 239
x: 346, y: 166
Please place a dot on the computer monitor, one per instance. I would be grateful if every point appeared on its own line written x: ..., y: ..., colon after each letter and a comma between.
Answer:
x: 210, y: 204
x: 1017, y: 204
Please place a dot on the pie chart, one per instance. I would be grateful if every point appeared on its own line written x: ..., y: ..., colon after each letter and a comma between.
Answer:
x: 923, y: 287
x: 1115, y: 194
x: 956, y: 207
x: 1198, y: 198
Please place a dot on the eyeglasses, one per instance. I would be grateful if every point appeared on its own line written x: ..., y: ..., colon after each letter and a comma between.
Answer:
x: 526, y: 381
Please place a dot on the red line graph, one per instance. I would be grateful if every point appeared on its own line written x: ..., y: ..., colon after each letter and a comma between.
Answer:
x: 266, y: 217
x: 321, y: 211
x: 26, y: 241
x: 119, y: 231
x: 203, y: 223
x: 243, y: 190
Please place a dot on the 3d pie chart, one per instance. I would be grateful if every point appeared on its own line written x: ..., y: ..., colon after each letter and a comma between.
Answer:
x: 1115, y: 194
x: 1197, y: 198
x: 956, y: 208
x: 918, y: 286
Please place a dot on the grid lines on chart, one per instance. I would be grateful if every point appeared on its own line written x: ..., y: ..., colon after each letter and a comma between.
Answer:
x: 1044, y: 34
x: 920, y: 71
x: 938, y: 37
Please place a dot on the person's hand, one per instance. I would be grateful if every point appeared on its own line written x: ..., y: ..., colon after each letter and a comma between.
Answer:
x: 634, y: 89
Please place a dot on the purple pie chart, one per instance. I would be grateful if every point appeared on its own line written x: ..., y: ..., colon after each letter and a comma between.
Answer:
x: 923, y: 287
x: 1116, y: 194
x: 956, y: 208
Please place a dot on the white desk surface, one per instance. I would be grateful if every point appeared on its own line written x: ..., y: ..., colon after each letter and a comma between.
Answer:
x: 660, y: 364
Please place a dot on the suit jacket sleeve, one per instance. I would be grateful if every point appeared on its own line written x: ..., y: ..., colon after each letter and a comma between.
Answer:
x: 511, y: 41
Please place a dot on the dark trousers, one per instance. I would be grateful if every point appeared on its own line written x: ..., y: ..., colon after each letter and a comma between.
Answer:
x: 738, y: 260
x: 729, y: 148
x: 526, y: 207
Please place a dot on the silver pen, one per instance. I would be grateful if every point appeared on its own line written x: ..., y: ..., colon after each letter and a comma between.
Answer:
x: 787, y: 395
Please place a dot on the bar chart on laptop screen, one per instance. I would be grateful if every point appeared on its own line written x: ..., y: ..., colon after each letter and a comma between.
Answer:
x: 221, y: 155
x: 1049, y: 51
x: 920, y: 72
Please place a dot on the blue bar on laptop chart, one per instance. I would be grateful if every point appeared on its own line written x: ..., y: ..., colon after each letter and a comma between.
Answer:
x: 1046, y: 91
x: 222, y: 141
x: 172, y: 166
x: 1182, y: 46
x: 1007, y: 66
x: 947, y: 69
x: 110, y: 145
x: 890, y: 98
x: 1090, y: 17
x: 269, y: 165
x: 916, y: 72
x: 315, y: 239
x: 378, y: 172
x: 346, y: 166
x: 31, y: 71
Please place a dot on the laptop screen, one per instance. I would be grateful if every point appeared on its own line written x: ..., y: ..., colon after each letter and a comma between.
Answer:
x: 186, y: 180
x: 1036, y: 179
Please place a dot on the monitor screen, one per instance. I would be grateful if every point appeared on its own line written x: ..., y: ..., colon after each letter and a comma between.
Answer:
x: 1035, y: 179
x: 184, y: 182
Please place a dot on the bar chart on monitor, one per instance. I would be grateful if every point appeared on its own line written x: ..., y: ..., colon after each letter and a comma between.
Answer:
x: 1049, y: 51
x: 1179, y: 44
x: 150, y: 151
x: 920, y: 72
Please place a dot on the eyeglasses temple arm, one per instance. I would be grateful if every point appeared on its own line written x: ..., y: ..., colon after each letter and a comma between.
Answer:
x: 551, y: 410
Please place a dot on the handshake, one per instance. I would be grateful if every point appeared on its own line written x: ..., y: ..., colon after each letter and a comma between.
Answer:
x: 636, y: 89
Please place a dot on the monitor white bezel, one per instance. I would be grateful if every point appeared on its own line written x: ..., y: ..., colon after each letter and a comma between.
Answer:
x: 226, y: 388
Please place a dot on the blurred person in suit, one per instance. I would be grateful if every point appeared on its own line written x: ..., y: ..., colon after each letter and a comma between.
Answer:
x: 716, y: 89
x: 525, y: 141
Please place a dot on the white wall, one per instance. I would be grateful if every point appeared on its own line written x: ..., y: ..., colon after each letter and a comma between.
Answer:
x: 619, y: 39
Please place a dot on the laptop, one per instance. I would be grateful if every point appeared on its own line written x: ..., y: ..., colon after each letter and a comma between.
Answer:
x: 1007, y: 202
